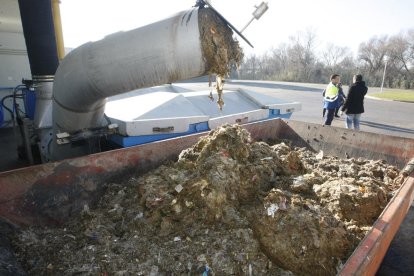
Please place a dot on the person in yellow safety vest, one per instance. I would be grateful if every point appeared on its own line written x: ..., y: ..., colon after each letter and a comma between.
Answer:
x: 331, y: 96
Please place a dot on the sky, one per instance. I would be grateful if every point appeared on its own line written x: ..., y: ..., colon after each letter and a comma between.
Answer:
x: 341, y: 22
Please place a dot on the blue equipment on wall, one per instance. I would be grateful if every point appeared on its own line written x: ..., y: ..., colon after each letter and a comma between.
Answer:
x: 29, y: 98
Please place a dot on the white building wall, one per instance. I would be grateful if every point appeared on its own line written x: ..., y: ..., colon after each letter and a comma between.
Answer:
x: 14, y: 63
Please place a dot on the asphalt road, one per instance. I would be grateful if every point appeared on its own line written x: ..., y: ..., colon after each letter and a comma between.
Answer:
x: 385, y: 117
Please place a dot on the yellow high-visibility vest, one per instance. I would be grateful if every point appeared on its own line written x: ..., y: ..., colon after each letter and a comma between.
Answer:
x: 331, y: 92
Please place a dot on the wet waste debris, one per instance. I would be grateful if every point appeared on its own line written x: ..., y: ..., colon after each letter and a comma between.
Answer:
x: 220, y: 49
x: 228, y: 206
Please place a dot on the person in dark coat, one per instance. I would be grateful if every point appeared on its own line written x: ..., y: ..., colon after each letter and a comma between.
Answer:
x: 354, y: 103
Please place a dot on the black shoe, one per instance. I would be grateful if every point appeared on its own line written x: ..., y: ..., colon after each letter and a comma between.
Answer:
x: 337, y: 116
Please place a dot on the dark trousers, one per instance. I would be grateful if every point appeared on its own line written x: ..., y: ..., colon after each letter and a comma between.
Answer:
x: 329, y: 116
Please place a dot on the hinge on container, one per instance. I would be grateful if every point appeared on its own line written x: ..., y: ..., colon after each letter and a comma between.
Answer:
x: 244, y: 120
x: 62, y: 138
x: 163, y: 129
x: 66, y: 138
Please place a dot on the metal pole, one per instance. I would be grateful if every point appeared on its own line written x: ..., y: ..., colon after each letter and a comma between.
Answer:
x: 248, y: 23
x: 383, y: 76
x: 260, y: 10
x: 58, y: 29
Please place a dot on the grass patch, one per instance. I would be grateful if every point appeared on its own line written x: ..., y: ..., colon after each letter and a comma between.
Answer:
x: 395, y: 94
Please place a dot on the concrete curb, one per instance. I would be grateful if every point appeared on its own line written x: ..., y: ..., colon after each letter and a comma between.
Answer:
x: 378, y: 99
x: 386, y: 100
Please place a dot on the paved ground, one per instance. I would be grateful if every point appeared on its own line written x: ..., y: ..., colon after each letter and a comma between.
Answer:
x: 386, y: 117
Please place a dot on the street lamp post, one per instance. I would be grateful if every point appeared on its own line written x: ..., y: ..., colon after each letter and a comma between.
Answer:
x: 385, y: 69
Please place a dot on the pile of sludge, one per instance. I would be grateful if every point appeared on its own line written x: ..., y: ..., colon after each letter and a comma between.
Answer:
x: 228, y: 206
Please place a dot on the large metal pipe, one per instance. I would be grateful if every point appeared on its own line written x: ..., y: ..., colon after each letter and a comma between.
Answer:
x: 159, y: 53
x: 39, y: 32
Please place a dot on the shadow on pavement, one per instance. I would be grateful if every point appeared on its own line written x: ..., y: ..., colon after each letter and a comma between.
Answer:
x: 387, y: 127
x: 278, y: 86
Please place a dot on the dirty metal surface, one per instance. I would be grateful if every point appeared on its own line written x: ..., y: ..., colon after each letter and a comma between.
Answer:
x: 50, y: 193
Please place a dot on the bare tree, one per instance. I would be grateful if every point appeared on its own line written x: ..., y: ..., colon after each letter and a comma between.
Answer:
x: 372, y: 54
x: 410, y: 39
x: 249, y: 69
x: 301, y: 53
x: 334, y: 55
x: 399, y: 51
x: 296, y: 60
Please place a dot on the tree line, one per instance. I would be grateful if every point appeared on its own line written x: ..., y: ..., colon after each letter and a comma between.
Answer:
x: 298, y: 60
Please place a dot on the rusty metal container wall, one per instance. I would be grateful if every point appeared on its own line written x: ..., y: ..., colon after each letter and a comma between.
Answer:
x: 93, y: 170
x: 344, y: 142
x: 159, y: 53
